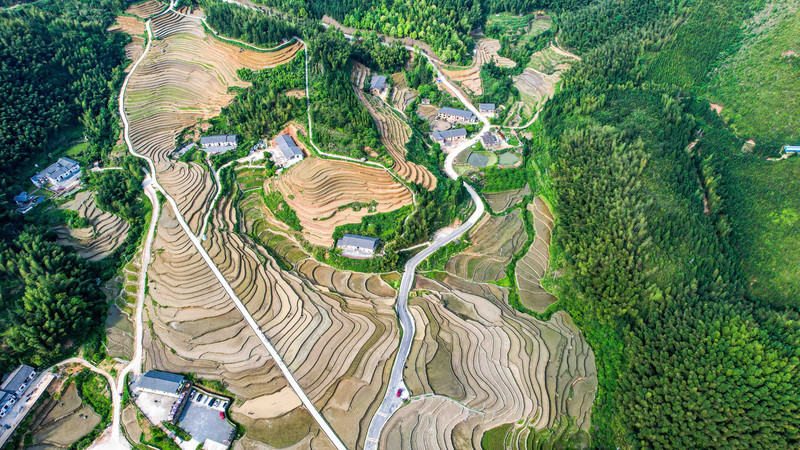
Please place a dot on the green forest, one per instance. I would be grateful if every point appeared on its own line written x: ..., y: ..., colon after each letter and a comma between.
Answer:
x: 650, y: 230
x: 59, y: 71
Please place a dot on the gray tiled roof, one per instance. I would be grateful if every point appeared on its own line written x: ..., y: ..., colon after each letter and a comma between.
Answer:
x: 156, y: 380
x: 16, y: 378
x: 377, y: 82
x: 219, y: 138
x: 455, y: 132
x: 457, y: 112
x: 288, y: 147
x: 354, y: 240
x: 486, y: 107
x: 58, y: 169
x: 488, y: 139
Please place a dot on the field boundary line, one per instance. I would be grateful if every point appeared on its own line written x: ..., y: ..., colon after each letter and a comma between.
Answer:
x: 323, y: 424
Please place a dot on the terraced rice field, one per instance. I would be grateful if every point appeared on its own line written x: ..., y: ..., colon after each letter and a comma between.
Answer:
x: 470, y: 78
x: 394, y: 135
x: 60, y: 423
x: 319, y: 190
x: 487, y: 365
x: 105, y: 233
x: 501, y: 201
x: 496, y: 239
x: 534, y: 89
x: 402, y: 95
x: 532, y: 267
x: 551, y: 60
x: 147, y: 9
x: 337, y: 340
x: 183, y: 80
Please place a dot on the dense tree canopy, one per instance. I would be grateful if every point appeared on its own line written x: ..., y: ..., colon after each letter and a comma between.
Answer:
x: 59, y: 68
x: 686, y: 358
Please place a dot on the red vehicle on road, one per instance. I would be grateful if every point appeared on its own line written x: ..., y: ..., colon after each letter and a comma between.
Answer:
x: 221, y: 415
x: 399, y: 392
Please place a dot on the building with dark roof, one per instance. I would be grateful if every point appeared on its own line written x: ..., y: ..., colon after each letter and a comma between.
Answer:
x: 17, y: 381
x: 59, y: 175
x: 486, y: 108
x: 453, y: 135
x: 290, y: 152
x: 219, y: 143
x: 378, y: 85
x: 161, y: 382
x: 356, y: 246
x: 457, y: 115
x: 489, y: 140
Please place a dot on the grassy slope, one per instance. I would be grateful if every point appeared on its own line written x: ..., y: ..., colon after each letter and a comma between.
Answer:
x: 766, y: 207
x: 759, y: 86
x: 760, y: 91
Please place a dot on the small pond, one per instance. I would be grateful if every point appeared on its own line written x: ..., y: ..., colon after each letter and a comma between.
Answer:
x: 508, y: 159
x: 478, y: 160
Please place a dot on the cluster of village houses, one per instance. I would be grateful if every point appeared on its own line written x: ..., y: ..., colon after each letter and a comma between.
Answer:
x: 63, y: 175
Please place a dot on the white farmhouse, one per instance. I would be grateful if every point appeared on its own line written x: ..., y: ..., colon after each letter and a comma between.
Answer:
x: 288, y: 152
x: 355, y: 246
x: 59, y: 176
x: 219, y: 143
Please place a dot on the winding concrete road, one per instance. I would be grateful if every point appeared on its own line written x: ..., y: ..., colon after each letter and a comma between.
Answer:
x: 323, y: 424
x: 391, y: 402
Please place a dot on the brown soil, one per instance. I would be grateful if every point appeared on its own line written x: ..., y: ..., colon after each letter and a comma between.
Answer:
x: 320, y: 187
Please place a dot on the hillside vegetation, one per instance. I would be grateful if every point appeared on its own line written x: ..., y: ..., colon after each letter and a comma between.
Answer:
x: 643, y: 177
x: 59, y: 71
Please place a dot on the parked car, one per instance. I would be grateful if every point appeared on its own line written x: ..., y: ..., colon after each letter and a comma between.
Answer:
x: 399, y: 392
x: 214, y: 403
x: 200, y: 398
x: 221, y: 415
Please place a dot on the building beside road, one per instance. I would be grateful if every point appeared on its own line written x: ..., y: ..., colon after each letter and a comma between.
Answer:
x: 59, y: 176
x: 456, y: 115
x: 489, y: 141
x: 163, y: 383
x: 792, y: 148
x: 487, y: 109
x: 288, y: 154
x: 6, y: 402
x: 355, y: 246
x: 18, y: 380
x: 219, y: 143
x: 378, y: 85
x: 449, y: 136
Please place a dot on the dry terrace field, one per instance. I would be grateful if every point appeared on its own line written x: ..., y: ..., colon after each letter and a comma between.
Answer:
x: 394, y: 135
x: 470, y: 78
x: 105, y: 233
x: 487, y: 365
x: 495, y: 240
x: 321, y: 190
x: 184, y: 79
x: 532, y: 267
x: 501, y: 201
x: 59, y: 423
